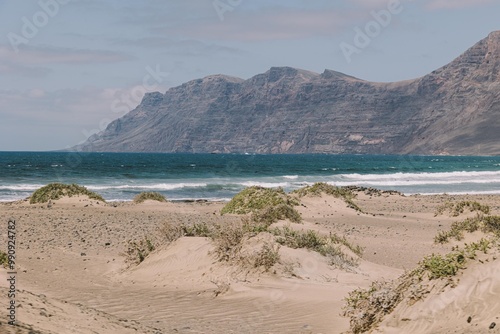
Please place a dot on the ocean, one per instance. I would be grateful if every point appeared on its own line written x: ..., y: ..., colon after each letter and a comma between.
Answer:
x: 121, y: 176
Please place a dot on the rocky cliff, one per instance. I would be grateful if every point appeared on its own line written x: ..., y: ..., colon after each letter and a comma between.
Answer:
x: 453, y: 110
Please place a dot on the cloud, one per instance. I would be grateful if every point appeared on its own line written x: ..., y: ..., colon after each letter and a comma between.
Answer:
x: 71, y: 115
x: 43, y: 55
x: 170, y: 46
x: 455, y: 4
x: 375, y: 4
x: 14, y: 69
x: 429, y: 4
x: 269, y: 24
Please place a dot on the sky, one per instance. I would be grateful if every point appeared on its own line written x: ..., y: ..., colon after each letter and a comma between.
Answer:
x: 69, y: 67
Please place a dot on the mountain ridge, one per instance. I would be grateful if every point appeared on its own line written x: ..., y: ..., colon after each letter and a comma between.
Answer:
x: 452, y: 110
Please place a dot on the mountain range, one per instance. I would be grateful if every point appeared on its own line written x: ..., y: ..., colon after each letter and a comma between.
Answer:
x: 455, y: 110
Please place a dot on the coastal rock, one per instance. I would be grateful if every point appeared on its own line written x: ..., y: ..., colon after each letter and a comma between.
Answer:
x: 453, y: 110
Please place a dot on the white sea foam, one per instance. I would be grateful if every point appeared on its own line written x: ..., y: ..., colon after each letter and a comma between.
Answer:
x: 21, y: 187
x: 291, y: 177
x: 408, y: 179
x: 158, y: 187
x: 265, y: 184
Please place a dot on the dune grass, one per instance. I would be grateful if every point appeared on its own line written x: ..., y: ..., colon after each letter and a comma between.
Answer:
x: 55, y: 191
x: 323, y: 188
x: 456, y: 209
x: 328, y: 246
x: 228, y: 241
x: 253, y: 199
x: 267, y: 257
x: 272, y: 214
x: 486, y: 224
x: 149, y: 196
x: 367, y: 307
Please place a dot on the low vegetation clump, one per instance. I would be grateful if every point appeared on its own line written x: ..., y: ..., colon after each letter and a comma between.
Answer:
x: 329, y: 246
x: 228, y: 240
x: 456, y: 209
x: 486, y: 224
x: 138, y: 250
x: 171, y: 232
x: 253, y: 199
x: 55, y: 191
x: 4, y: 259
x: 438, y: 266
x: 272, y: 214
x: 323, y: 188
x: 149, y: 196
x: 491, y: 224
x: 367, y: 307
x: 268, y: 256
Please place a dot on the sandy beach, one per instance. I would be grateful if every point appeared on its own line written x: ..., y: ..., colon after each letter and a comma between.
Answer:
x: 74, y: 274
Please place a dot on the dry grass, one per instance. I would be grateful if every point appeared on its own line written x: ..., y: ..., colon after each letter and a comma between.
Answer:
x: 328, y: 246
x: 367, y: 307
x: 268, y: 256
x: 138, y: 250
x: 456, y: 209
x: 228, y: 242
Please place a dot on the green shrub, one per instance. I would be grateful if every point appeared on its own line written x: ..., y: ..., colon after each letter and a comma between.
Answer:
x: 55, y: 191
x: 253, y: 199
x: 448, y: 265
x: 443, y: 266
x: 151, y: 196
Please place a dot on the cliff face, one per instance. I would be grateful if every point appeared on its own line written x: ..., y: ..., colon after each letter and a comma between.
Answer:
x: 453, y: 110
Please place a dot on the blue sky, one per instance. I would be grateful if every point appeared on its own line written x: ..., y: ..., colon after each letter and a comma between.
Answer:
x: 69, y: 67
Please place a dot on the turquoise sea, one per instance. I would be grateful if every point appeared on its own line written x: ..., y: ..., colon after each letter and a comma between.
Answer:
x: 120, y: 176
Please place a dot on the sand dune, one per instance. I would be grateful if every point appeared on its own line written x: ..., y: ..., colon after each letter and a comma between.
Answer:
x: 72, y: 267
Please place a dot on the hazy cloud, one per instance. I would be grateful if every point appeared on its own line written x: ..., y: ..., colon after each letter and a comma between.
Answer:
x: 453, y: 4
x: 42, y: 55
x: 10, y: 68
x: 270, y: 24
